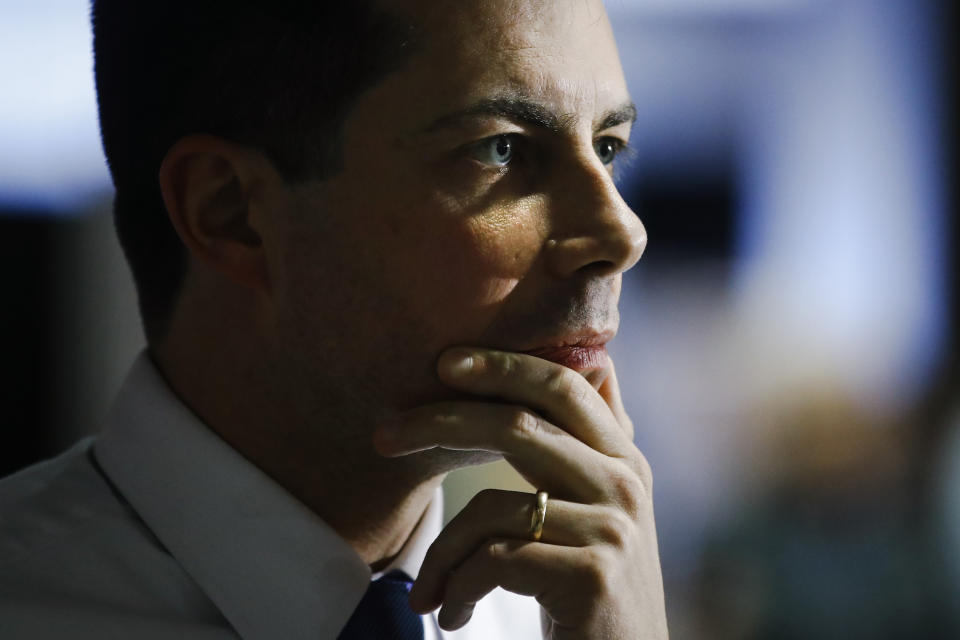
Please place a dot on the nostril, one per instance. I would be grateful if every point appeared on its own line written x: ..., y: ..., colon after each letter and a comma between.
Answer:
x: 598, y: 268
x: 600, y: 252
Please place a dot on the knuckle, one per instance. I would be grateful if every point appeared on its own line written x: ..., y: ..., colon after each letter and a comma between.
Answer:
x: 502, y: 364
x: 644, y: 472
x: 615, y: 528
x: 596, y: 571
x: 524, y: 426
x: 628, y: 489
x: 461, y: 581
x: 494, y: 552
x: 484, y: 501
x: 559, y: 380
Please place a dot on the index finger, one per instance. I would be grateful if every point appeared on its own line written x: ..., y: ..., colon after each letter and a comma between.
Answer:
x: 610, y: 391
x: 559, y: 394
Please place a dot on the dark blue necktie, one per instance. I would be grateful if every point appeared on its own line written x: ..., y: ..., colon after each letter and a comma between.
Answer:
x: 384, y: 613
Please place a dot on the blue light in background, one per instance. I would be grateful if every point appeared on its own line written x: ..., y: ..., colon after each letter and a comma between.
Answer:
x: 50, y: 154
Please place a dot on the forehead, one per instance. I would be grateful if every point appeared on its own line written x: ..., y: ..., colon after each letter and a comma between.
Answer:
x: 558, y: 52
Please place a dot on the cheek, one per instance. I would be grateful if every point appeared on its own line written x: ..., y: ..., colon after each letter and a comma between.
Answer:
x: 437, y: 270
x: 473, y: 263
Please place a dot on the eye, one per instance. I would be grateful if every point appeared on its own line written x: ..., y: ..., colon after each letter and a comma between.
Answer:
x: 496, y: 151
x: 607, y: 149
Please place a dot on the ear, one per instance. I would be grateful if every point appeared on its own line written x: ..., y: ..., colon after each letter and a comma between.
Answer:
x: 213, y: 190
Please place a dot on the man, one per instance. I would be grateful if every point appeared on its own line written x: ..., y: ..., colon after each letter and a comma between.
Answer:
x: 397, y: 251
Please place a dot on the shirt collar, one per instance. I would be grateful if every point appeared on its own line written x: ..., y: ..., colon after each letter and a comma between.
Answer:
x: 411, y: 556
x: 272, y: 566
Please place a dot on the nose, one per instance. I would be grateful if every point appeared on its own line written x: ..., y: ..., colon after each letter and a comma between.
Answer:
x: 592, y: 228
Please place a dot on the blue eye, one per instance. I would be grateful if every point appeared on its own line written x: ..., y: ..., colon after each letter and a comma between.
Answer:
x: 607, y: 149
x: 496, y: 151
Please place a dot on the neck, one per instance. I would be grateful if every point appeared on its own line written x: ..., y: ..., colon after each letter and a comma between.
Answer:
x: 373, y: 504
x: 323, y: 455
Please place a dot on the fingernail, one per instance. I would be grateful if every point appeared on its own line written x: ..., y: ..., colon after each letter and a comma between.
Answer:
x: 457, y: 364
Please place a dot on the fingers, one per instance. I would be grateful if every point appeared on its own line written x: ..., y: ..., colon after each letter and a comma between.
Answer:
x: 526, y: 568
x: 560, y: 394
x: 506, y: 514
x: 545, y: 455
x: 610, y: 392
x: 595, y: 569
x: 597, y: 553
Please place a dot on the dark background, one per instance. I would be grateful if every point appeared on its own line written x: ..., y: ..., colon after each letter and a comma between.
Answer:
x: 798, y: 496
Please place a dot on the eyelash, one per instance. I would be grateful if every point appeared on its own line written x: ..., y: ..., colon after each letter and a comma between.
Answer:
x: 517, y: 143
x: 476, y: 149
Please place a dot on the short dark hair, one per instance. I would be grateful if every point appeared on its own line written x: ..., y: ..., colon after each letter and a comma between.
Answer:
x: 278, y: 75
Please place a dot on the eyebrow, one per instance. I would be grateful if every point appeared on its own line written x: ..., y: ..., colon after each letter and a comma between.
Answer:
x: 626, y: 113
x: 527, y: 111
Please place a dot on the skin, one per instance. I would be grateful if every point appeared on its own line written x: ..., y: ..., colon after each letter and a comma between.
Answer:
x: 321, y: 324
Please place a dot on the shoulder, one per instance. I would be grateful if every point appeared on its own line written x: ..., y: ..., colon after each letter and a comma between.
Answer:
x: 60, y: 513
x: 35, y: 490
x: 70, y: 542
x: 52, y: 503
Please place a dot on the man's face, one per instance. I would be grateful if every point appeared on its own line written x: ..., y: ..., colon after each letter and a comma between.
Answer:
x: 475, y: 207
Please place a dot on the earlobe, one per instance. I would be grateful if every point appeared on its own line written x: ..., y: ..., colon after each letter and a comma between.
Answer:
x: 209, y: 186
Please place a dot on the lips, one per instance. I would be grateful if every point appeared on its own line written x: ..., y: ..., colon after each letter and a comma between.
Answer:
x: 579, y: 353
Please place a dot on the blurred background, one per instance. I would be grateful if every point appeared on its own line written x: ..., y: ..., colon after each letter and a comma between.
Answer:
x: 788, y: 348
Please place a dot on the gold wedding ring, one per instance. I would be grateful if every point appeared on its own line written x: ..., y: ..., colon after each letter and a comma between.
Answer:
x: 539, y: 515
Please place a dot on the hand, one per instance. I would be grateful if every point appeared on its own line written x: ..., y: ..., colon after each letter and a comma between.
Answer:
x: 595, y: 570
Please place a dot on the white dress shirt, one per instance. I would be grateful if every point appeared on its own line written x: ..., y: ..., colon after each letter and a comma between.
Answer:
x: 159, y: 529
